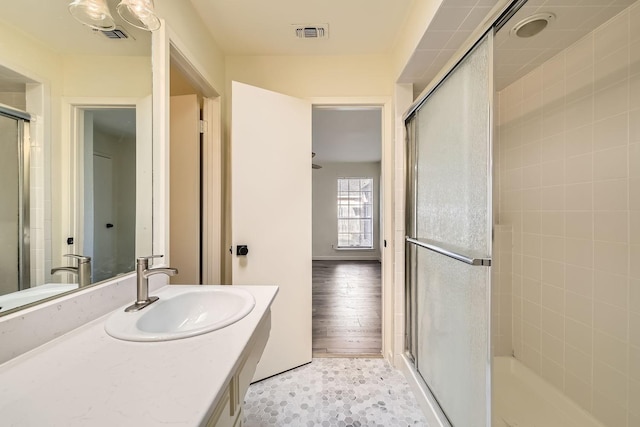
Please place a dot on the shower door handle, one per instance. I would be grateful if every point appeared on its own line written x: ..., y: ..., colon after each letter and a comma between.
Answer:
x: 486, y: 262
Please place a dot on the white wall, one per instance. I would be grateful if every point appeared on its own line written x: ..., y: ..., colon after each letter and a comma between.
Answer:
x: 325, y: 221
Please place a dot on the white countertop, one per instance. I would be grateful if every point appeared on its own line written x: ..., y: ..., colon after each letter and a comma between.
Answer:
x: 88, y: 378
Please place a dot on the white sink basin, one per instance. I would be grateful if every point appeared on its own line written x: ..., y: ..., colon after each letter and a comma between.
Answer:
x: 182, y: 311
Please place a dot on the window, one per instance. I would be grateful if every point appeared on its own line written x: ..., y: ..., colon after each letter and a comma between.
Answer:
x: 355, y: 213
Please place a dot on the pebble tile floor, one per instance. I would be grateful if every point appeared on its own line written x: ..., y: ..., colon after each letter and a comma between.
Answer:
x: 334, y: 392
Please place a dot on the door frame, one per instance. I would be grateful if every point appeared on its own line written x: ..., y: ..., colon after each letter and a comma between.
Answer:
x: 168, y: 46
x: 387, y: 202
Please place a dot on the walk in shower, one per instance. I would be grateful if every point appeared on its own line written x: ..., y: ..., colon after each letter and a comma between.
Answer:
x: 14, y: 209
x: 523, y: 222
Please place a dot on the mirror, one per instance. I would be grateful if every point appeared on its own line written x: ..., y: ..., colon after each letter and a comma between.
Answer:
x: 79, y: 161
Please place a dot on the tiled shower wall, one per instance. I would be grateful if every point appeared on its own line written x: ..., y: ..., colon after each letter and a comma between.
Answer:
x: 569, y: 186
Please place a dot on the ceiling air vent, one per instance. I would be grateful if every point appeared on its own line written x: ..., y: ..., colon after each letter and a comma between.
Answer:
x: 116, y: 34
x: 312, y: 31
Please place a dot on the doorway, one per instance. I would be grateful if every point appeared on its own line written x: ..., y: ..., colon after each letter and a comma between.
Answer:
x: 195, y: 175
x: 347, y: 247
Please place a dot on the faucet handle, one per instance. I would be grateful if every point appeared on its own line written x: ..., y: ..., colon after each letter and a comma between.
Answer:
x: 81, y: 258
x: 144, y: 260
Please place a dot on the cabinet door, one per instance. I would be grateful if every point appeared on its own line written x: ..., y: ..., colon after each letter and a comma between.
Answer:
x: 222, y: 415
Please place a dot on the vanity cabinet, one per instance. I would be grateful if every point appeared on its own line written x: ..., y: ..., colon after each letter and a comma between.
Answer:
x: 228, y: 411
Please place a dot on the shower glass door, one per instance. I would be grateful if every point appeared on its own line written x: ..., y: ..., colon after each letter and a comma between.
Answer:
x: 449, y: 239
x: 14, y: 215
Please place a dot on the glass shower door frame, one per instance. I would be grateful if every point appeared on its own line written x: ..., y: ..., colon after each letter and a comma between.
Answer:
x: 411, y: 245
x: 24, y: 194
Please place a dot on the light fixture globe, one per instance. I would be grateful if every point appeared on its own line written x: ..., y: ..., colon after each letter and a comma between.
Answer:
x: 139, y: 13
x: 92, y: 13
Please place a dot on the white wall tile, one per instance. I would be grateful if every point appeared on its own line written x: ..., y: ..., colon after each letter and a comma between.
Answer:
x: 611, y: 320
x: 579, y: 141
x: 611, y: 101
x: 579, y: 197
x: 610, y: 351
x: 612, y: 34
x: 579, y: 224
x: 610, y: 132
x: 611, y: 288
x: 579, y: 169
x: 579, y: 308
x: 570, y: 189
x: 611, y: 226
x: 578, y: 363
x: 610, y: 195
x: 610, y: 382
x: 611, y: 69
x: 580, y: 55
x: 578, y: 390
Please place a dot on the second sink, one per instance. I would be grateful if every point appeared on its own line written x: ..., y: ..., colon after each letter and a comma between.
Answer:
x: 182, y: 311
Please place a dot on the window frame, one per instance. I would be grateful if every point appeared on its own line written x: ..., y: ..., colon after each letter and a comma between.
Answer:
x: 356, y: 199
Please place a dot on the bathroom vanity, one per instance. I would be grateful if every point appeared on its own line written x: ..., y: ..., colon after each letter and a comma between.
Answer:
x: 88, y: 378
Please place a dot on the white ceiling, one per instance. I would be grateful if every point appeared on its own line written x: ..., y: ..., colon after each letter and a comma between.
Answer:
x: 347, y: 134
x: 515, y: 57
x: 259, y: 27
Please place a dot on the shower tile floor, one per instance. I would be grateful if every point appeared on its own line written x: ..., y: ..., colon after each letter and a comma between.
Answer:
x: 334, y: 392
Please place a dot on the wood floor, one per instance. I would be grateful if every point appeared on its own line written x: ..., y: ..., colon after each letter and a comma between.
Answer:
x: 347, y: 308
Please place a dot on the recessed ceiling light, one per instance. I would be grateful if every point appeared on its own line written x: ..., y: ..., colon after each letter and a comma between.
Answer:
x: 532, y: 25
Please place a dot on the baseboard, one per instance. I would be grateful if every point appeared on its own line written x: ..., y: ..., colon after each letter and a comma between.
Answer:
x: 346, y: 258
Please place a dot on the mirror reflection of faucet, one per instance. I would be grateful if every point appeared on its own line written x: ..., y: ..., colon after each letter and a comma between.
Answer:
x: 143, y: 272
x: 83, y: 269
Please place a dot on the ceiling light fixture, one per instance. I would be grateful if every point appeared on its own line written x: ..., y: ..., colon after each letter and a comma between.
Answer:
x: 532, y: 25
x: 139, y: 13
x: 93, y: 13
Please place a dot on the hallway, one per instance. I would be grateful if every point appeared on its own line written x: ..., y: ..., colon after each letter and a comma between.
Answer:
x: 347, y: 308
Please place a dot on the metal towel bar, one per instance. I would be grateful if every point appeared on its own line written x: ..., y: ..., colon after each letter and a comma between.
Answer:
x: 486, y: 262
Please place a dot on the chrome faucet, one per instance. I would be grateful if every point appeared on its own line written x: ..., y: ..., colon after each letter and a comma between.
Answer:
x: 83, y: 270
x: 142, y: 280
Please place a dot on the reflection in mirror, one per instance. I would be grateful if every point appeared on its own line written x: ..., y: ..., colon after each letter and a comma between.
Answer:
x: 109, y: 178
x: 83, y: 104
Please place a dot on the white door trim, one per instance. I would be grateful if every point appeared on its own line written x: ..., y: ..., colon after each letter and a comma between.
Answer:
x: 72, y: 155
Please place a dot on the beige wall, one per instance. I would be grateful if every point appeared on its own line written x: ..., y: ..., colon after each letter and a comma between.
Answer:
x: 325, y: 221
x: 192, y: 37
x: 569, y: 165
x: 315, y: 76
x: 106, y: 76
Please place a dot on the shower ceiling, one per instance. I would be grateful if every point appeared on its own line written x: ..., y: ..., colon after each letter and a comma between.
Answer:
x: 515, y: 57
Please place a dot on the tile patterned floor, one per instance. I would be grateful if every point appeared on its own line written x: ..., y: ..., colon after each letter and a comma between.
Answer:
x: 334, y: 392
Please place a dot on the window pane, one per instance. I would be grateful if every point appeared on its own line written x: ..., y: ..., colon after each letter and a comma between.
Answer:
x: 355, y: 210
